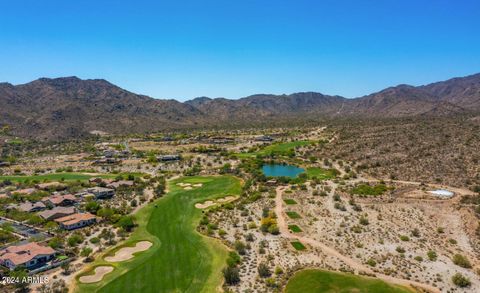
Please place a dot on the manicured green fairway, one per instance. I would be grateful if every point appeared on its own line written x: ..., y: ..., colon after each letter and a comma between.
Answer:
x: 295, y: 228
x: 298, y: 245
x: 293, y: 215
x: 319, y: 281
x: 321, y: 174
x: 289, y: 201
x: 181, y: 260
x: 58, y: 177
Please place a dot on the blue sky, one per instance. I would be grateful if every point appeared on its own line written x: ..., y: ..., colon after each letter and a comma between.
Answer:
x: 185, y: 49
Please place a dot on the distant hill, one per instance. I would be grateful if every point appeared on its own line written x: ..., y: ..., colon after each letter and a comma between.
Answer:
x: 71, y: 107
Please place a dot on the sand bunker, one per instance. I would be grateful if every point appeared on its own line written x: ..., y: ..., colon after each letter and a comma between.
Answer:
x: 226, y: 199
x: 198, y: 185
x: 126, y: 253
x: 184, y: 184
x: 205, y: 205
x: 442, y: 193
x: 210, y: 203
x: 98, y: 276
x: 188, y: 188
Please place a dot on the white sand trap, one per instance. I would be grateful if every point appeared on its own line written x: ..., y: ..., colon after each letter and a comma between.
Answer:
x: 98, y: 276
x: 198, y: 185
x: 210, y: 203
x: 188, y: 188
x: 126, y: 253
x: 227, y: 199
x: 204, y: 205
x: 442, y: 193
x: 184, y: 184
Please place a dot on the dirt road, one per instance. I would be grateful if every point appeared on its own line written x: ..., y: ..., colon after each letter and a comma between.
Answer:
x: 355, y: 265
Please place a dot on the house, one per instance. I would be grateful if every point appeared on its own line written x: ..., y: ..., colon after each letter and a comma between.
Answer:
x: 109, y: 153
x: 56, y: 213
x: 4, y: 164
x: 84, y: 194
x: 168, y: 158
x: 76, y: 221
x: 30, y: 255
x: 60, y: 200
x: 51, y: 185
x: 29, y: 206
x: 220, y: 140
x: 26, y: 191
x: 106, y: 161
x: 117, y: 184
x: 101, y: 192
x: 264, y: 138
x: 165, y: 138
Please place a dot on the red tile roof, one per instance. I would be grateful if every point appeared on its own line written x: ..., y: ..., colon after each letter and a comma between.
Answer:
x: 75, y: 218
x: 21, y: 254
x: 57, y: 199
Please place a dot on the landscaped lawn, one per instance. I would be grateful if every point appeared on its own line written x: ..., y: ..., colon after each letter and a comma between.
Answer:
x: 290, y: 201
x: 321, y: 174
x: 294, y: 228
x: 181, y: 259
x: 319, y: 281
x: 59, y: 176
x: 298, y: 245
x: 293, y: 215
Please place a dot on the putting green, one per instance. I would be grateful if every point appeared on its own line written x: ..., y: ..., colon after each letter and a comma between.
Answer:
x: 180, y: 260
x: 319, y: 281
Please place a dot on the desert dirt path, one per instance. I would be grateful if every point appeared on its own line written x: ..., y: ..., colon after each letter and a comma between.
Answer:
x: 355, y: 265
x: 456, y: 190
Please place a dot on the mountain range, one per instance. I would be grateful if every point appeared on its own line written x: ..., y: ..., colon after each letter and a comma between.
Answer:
x: 70, y: 107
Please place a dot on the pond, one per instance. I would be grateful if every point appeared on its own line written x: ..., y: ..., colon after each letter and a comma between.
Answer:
x: 278, y: 170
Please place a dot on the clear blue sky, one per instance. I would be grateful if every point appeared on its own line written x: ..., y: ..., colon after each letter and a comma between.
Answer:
x: 234, y: 48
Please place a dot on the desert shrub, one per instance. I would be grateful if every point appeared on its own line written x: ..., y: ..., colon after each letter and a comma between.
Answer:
x: 461, y: 281
x: 264, y: 270
x: 231, y: 275
x: 461, y: 261
x: 432, y: 255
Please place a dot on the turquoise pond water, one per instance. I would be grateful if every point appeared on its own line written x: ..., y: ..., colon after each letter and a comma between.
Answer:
x: 277, y: 170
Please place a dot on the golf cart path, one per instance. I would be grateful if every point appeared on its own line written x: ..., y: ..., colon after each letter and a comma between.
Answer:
x: 358, y: 267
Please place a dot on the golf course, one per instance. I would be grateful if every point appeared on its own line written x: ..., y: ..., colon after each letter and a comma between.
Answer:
x: 179, y: 259
x: 319, y: 281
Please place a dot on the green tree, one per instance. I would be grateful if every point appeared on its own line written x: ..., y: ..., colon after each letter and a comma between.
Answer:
x: 126, y: 223
x: 86, y: 251
x: 92, y: 207
x: 55, y: 242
